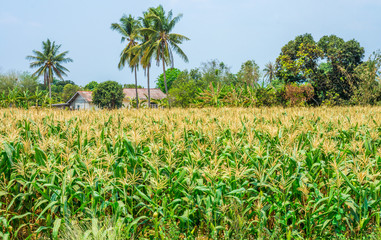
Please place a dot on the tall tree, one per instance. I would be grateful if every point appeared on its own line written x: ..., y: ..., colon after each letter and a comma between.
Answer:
x: 163, y: 42
x: 68, y: 91
x: 249, y: 73
x: 171, y: 75
x: 49, y: 62
x: 368, y: 90
x: 8, y: 81
x: 217, y: 72
x: 342, y: 58
x: 298, y: 60
x: 269, y: 71
x: 146, y: 22
x: 128, y: 28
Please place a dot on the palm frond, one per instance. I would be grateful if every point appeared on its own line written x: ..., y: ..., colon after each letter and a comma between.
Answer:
x: 174, y: 21
x: 180, y: 52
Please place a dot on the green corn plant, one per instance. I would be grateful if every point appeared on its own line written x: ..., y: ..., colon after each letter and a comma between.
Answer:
x: 226, y: 173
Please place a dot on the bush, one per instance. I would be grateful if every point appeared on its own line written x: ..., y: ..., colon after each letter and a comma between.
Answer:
x: 184, y: 90
x: 298, y: 95
x: 266, y: 97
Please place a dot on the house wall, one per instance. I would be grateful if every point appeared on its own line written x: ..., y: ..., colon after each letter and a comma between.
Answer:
x: 80, y: 103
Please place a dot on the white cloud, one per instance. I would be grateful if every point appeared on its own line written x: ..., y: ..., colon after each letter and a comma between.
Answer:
x: 7, y: 19
x: 11, y: 20
x: 34, y: 24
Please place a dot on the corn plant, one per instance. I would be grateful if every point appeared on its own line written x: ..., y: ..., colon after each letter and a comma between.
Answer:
x: 226, y: 173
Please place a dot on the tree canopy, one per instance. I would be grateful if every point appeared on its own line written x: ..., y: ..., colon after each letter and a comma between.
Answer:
x: 298, y: 60
x: 91, y: 86
x: 172, y: 74
x: 249, y: 73
x: 109, y: 95
x: 49, y: 62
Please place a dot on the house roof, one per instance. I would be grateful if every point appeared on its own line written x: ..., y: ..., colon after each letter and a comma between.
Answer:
x: 143, y: 93
x: 128, y: 93
x: 87, y: 95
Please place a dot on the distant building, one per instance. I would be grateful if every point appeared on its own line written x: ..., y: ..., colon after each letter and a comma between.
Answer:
x: 83, y: 100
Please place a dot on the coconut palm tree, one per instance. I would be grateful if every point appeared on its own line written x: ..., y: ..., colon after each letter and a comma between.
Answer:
x: 146, y: 23
x: 49, y: 62
x: 163, y: 42
x: 128, y: 27
x: 269, y: 71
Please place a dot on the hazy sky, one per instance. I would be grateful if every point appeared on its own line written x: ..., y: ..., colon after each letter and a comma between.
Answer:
x: 227, y: 30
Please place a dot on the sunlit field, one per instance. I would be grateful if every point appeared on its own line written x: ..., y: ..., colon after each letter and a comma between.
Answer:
x: 219, y: 173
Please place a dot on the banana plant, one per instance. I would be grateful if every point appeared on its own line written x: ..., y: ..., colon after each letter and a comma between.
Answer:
x: 212, y: 96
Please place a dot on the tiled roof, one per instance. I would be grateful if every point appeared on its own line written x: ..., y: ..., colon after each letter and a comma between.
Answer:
x: 87, y: 95
x: 143, y: 93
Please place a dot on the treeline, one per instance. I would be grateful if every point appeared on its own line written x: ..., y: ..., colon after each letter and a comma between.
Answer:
x: 328, y: 72
x: 21, y: 90
x: 24, y: 90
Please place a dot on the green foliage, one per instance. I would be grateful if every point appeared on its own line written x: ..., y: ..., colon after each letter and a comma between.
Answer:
x: 160, y: 43
x: 8, y: 81
x: 49, y: 62
x: 368, y: 90
x: 266, y: 96
x: 109, y: 95
x: 212, y: 96
x: 171, y: 75
x: 91, y: 86
x: 68, y: 91
x: 270, y: 72
x: 27, y: 82
x: 343, y: 58
x: 163, y: 42
x: 57, y: 90
x: 218, y: 95
x: 16, y: 98
x: 23, y: 81
x: 227, y: 173
x: 334, y: 80
x: 185, y: 88
x: 249, y: 73
x: 216, y: 72
x: 129, y: 85
x: 129, y: 29
x: 298, y: 61
x: 21, y: 90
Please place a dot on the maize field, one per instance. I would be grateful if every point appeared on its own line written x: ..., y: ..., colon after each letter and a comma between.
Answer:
x: 211, y: 173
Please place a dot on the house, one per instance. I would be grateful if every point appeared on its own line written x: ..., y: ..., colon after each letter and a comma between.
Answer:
x: 83, y: 100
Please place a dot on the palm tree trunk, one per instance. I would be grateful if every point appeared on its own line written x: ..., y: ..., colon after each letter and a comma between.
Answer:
x: 50, y: 91
x: 149, y: 93
x: 136, y: 90
x: 165, y: 83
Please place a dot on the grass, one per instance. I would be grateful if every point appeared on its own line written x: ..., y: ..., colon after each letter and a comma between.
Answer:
x: 227, y: 173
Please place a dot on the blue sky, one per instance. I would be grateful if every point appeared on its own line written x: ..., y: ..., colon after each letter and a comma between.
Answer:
x: 227, y: 30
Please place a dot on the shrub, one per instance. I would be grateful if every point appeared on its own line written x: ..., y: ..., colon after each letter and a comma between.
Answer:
x: 298, y: 95
x: 266, y: 97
